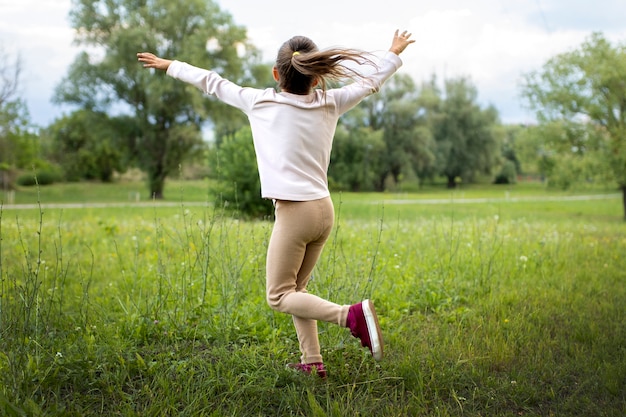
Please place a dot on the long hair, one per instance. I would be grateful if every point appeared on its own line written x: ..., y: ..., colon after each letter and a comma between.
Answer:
x: 301, y: 65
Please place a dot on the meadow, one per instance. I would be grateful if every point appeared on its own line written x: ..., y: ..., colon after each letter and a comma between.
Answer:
x: 493, y: 302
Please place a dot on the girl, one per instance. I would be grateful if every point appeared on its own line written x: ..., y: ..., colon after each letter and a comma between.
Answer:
x: 293, y: 133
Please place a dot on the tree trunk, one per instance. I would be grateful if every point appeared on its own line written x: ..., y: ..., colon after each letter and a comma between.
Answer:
x: 380, y: 183
x: 451, y: 181
x: 157, y: 183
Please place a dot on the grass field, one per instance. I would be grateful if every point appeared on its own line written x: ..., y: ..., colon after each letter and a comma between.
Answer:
x: 493, y: 302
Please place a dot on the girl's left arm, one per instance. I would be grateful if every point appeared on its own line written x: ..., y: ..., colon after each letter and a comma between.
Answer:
x: 152, y: 61
x: 208, y: 81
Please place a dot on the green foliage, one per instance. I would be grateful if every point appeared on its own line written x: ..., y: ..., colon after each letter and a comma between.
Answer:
x: 583, y: 90
x: 509, y: 136
x: 87, y: 145
x: 38, y: 178
x: 357, y: 159
x: 466, y: 141
x: 15, y: 140
x: 167, y: 115
x: 239, y: 186
x: 410, y: 142
x: 508, y: 173
x: 396, y: 111
x: 426, y: 133
x: 565, y: 153
x: 530, y: 150
x: 19, y: 146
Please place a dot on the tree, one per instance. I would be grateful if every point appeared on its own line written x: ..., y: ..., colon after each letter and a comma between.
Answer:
x: 511, y: 165
x: 587, y: 87
x: 87, y: 145
x: 19, y: 147
x: 396, y: 111
x: 168, y: 114
x: 467, y: 143
x: 357, y: 159
x: 561, y: 151
x: 409, y: 140
x: 531, y: 150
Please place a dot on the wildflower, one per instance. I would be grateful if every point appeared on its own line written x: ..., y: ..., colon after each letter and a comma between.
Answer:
x: 523, y: 258
x: 59, y: 355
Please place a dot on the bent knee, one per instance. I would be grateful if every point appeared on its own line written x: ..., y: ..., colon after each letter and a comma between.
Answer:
x: 277, y: 301
x: 274, y: 301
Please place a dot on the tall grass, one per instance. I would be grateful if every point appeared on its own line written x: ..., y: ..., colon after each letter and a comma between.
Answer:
x: 498, y: 308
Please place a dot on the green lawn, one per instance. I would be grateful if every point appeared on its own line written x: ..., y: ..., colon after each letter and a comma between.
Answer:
x: 493, y: 302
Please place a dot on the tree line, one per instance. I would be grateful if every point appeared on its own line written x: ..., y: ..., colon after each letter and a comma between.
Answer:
x: 409, y: 133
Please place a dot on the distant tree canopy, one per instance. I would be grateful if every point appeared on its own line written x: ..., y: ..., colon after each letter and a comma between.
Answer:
x: 466, y: 143
x: 425, y: 133
x: 395, y: 113
x: 580, y: 96
x: 433, y: 130
x: 357, y: 162
x: 166, y: 114
x: 402, y: 132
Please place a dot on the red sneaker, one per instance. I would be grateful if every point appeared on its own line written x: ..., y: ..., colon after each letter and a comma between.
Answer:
x: 309, y: 368
x: 363, y: 324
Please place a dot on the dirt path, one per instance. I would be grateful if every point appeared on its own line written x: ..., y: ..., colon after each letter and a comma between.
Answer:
x: 504, y: 199
x: 5, y: 207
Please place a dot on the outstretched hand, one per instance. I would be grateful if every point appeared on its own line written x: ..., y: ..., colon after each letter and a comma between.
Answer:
x: 152, y: 61
x: 400, y: 42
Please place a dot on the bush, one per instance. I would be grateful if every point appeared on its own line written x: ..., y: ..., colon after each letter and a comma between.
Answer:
x: 38, y: 178
x: 239, y: 186
x: 508, y: 174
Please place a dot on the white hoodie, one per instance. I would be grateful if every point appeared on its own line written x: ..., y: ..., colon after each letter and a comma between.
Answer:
x: 292, y: 133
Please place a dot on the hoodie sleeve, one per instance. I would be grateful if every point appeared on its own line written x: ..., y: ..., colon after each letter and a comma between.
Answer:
x: 212, y: 83
x: 349, y: 96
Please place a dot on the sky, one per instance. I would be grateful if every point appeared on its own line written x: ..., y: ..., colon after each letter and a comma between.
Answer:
x: 492, y: 42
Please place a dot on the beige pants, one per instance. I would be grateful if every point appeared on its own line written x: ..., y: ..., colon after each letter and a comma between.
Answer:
x: 300, y: 232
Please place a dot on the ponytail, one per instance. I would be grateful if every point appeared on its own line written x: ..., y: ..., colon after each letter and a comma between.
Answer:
x: 301, y: 65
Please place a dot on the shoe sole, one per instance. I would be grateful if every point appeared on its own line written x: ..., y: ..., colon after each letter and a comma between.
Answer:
x: 373, y: 329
